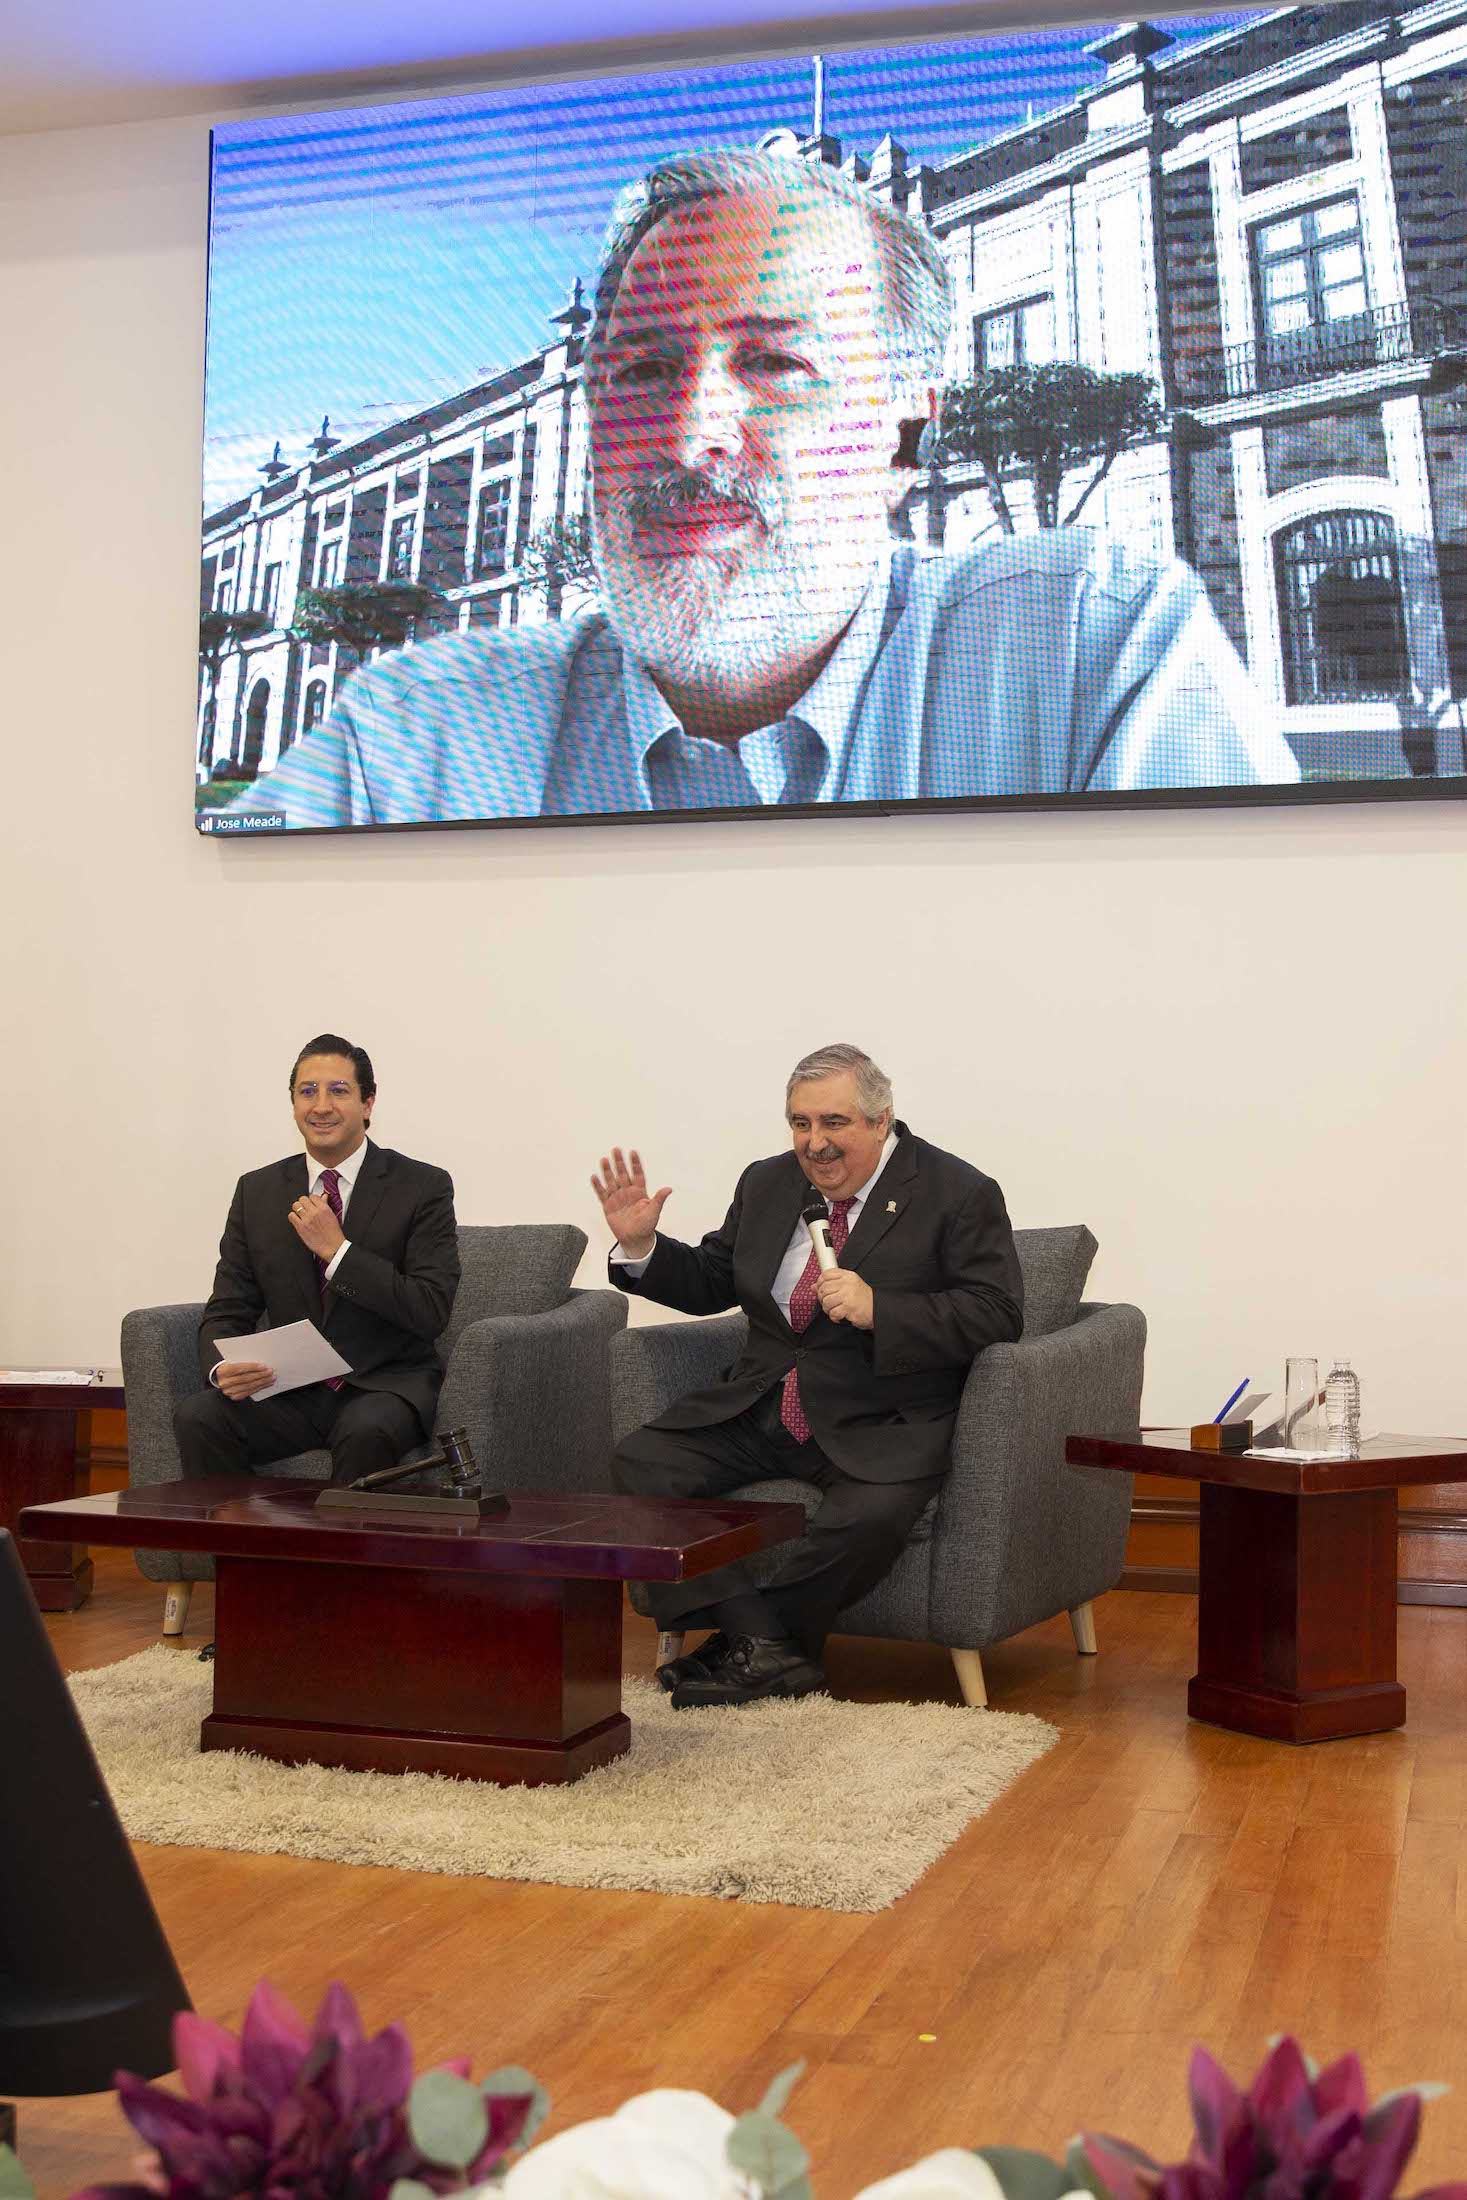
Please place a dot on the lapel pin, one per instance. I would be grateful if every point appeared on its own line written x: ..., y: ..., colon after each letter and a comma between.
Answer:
x: 891, y: 1206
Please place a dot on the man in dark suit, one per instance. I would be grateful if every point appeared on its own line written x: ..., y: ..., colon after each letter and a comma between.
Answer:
x: 850, y: 1379
x: 353, y: 1237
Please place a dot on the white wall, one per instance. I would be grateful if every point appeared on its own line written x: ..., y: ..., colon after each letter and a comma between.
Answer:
x: 1232, y: 1041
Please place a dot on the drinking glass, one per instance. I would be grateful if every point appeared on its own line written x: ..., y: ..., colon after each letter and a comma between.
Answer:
x: 1302, y: 1430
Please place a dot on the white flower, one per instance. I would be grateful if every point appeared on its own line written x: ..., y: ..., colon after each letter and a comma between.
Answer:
x: 674, y: 2146
x: 951, y: 2175
x: 660, y: 2146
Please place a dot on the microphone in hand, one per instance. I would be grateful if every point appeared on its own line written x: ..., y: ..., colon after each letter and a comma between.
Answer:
x: 816, y: 1217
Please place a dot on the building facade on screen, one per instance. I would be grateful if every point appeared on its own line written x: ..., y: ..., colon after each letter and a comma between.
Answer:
x: 1270, y: 224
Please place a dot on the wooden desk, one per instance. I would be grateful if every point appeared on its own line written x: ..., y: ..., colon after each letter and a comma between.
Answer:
x: 38, y: 1467
x: 1296, y: 1601
x: 402, y: 1642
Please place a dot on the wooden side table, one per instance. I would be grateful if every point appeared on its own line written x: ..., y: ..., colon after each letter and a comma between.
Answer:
x: 1296, y: 1600
x: 38, y: 1467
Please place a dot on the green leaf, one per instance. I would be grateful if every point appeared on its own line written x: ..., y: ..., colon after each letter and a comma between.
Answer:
x: 764, y: 2150
x: 447, y: 2118
x: 776, y: 2100
x: 14, y: 2182
x: 408, y: 2188
x: 1025, y: 2175
x: 510, y: 2078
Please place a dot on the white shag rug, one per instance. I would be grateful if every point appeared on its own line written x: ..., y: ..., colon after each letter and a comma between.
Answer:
x: 834, y: 1806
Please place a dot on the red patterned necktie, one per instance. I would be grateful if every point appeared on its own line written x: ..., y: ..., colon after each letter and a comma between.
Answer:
x: 330, y: 1185
x: 803, y: 1305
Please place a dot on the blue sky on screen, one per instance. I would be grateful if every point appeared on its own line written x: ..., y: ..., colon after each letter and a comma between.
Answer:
x: 366, y: 261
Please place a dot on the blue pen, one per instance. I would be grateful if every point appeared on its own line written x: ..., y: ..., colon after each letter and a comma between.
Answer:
x: 1227, y: 1409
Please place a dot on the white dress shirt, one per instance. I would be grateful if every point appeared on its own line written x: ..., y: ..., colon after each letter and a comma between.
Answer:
x: 346, y: 1176
x: 797, y: 1252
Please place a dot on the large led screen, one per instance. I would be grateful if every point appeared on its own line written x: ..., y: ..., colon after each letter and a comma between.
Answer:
x: 1052, y: 417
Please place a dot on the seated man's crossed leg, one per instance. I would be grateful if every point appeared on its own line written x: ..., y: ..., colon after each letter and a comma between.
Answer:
x: 363, y: 1430
x: 766, y: 1641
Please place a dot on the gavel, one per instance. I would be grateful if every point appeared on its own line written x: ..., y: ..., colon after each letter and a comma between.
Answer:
x: 457, y: 1455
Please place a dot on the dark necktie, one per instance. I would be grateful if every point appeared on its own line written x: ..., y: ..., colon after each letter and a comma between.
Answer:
x: 803, y: 1305
x: 331, y: 1186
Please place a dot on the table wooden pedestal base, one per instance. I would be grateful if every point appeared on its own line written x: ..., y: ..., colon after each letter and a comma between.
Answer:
x: 1296, y: 1618
x: 38, y: 1467
x: 509, y: 1678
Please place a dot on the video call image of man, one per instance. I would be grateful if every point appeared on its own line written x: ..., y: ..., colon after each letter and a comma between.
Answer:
x: 766, y: 352
x: 353, y: 1237
x: 850, y: 1378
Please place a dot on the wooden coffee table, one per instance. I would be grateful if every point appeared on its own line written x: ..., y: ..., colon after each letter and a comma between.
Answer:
x: 37, y: 1465
x: 1296, y: 1603
x: 398, y: 1642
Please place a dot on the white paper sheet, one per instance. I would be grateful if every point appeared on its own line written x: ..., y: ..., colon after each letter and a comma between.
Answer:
x: 298, y: 1353
x: 50, y: 1374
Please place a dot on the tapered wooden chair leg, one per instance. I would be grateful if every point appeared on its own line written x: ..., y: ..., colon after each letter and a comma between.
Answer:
x: 1082, y: 1624
x: 670, y: 1645
x: 969, y: 1665
x: 175, y: 1606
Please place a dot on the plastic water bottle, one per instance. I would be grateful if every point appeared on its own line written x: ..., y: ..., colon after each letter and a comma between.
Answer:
x: 1342, y: 1410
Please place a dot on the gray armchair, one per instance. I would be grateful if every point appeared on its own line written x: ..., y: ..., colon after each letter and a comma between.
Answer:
x: 1014, y: 1536
x: 525, y: 1373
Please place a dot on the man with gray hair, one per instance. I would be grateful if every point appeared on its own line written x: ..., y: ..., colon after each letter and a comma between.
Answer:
x: 767, y: 350
x: 850, y: 1379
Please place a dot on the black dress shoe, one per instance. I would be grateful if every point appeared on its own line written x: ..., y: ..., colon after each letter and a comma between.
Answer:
x: 697, y: 1665
x: 756, y: 1668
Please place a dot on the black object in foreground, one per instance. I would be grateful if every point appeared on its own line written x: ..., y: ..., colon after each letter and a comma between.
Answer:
x: 88, y: 1984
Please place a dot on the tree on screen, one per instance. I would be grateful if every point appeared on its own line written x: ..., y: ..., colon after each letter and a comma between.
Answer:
x: 558, y: 559
x: 1045, y: 421
x: 363, y: 615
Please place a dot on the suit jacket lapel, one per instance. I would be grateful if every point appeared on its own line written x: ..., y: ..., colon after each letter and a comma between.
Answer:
x: 889, y: 1196
x: 295, y: 1181
x: 367, y: 1192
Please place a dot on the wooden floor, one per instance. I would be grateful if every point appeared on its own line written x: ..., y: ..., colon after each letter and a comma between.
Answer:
x: 1151, y: 1883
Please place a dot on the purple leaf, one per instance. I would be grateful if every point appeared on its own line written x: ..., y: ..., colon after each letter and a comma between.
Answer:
x: 1125, y: 2172
x: 1342, y: 2085
x: 1386, y: 2146
x: 205, y: 2053
x: 338, y: 2019
x: 159, y: 2119
x: 273, y: 2043
x: 384, y: 2071
x: 1216, y: 2102
x: 508, y: 2115
x: 1191, y: 2181
x: 1279, y: 2095
x: 1330, y: 2137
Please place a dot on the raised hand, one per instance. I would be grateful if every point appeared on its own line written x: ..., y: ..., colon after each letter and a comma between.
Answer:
x: 631, y: 1211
